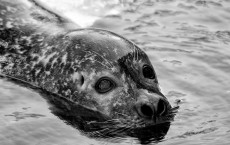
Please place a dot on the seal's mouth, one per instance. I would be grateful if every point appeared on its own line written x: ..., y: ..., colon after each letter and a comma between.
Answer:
x: 127, y: 124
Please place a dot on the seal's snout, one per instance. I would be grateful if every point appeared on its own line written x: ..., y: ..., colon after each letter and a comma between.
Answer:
x: 149, y: 110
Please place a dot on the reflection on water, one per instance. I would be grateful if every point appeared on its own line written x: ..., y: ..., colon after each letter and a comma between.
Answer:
x: 188, y: 44
x: 85, y: 12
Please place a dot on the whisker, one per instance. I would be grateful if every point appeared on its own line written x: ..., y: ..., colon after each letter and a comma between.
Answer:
x: 120, y: 127
x: 121, y: 114
x: 174, y: 110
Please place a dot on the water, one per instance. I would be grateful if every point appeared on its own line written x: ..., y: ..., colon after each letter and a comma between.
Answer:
x: 187, y: 42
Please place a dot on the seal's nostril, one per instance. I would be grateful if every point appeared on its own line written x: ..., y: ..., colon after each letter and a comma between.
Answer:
x: 161, y: 108
x: 146, y: 110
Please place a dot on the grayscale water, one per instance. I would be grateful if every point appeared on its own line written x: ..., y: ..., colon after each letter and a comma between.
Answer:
x: 188, y: 43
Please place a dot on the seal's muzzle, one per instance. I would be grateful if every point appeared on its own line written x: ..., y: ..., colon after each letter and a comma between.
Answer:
x: 148, y: 108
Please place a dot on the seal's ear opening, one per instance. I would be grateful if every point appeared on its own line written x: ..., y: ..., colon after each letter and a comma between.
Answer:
x: 82, y: 80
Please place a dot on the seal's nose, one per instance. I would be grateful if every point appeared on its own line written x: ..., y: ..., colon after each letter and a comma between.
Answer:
x: 148, y: 110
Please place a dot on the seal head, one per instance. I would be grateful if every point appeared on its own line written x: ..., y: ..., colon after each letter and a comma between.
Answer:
x: 115, y: 77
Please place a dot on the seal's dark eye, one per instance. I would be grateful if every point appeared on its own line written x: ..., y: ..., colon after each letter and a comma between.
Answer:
x: 103, y: 85
x: 148, y: 72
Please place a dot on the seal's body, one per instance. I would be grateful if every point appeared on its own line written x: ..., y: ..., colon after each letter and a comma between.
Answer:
x: 94, y: 68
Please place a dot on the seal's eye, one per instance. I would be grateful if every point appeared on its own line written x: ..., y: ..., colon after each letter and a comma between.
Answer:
x: 148, y: 72
x: 104, y: 84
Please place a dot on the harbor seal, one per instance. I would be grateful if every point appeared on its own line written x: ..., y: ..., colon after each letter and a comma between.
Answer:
x: 98, y: 70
